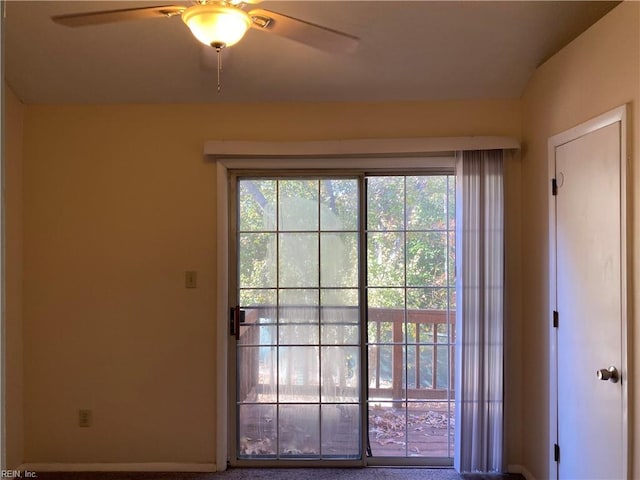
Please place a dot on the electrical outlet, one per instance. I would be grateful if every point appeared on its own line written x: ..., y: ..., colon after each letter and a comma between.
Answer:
x: 84, y: 418
x: 190, y: 279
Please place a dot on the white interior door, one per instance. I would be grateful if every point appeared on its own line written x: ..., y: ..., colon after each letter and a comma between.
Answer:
x: 590, y: 292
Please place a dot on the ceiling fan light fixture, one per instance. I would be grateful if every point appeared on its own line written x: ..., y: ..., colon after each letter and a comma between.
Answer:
x: 217, y: 25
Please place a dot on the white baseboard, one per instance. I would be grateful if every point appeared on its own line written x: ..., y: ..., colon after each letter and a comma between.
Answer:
x: 118, y: 467
x: 164, y: 467
x: 521, y: 470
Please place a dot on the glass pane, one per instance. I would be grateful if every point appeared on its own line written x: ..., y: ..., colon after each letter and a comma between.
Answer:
x: 340, y: 431
x: 339, y: 260
x: 427, y: 332
x: 339, y: 305
x: 452, y: 369
x: 385, y: 203
x: 256, y: 374
x: 257, y: 434
x: 442, y: 366
x: 426, y: 321
x: 428, y: 429
x: 296, y: 334
x: 386, y: 299
x: 298, y: 306
x: 339, y: 209
x: 426, y: 259
x: 452, y: 202
x: 381, y: 370
x: 340, y: 334
x: 298, y: 205
x: 380, y: 331
x: 452, y: 259
x: 426, y: 379
x: 427, y: 203
x: 340, y: 369
x: 299, y: 430
x: 452, y: 428
x: 427, y: 299
x: 298, y: 260
x: 385, y: 324
x: 257, y: 335
x: 299, y: 378
x: 257, y: 260
x: 442, y: 330
x: 410, y: 331
x: 259, y: 305
x: 385, y: 259
x: 257, y: 205
x: 408, y: 369
x: 387, y: 429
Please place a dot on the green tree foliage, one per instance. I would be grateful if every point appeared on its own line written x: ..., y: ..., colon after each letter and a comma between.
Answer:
x: 303, y: 233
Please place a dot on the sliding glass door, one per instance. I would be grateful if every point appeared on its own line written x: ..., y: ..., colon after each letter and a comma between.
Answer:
x: 410, y: 292
x: 298, y: 349
x: 343, y: 331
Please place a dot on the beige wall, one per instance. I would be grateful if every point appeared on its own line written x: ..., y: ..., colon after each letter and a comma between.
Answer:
x: 118, y: 203
x: 595, y: 73
x: 13, y: 134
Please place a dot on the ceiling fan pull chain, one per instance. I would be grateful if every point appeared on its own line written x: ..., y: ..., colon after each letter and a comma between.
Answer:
x: 218, y: 50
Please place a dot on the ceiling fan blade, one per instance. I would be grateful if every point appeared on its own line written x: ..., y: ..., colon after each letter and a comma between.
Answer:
x: 110, y: 16
x: 301, y: 31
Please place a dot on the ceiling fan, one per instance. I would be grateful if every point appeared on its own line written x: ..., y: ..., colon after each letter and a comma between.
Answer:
x: 222, y: 23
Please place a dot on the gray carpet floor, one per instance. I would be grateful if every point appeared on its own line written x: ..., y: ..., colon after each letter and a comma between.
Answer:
x: 370, y: 473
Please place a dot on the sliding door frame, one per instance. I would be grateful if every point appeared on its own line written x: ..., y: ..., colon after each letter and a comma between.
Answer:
x: 227, y: 172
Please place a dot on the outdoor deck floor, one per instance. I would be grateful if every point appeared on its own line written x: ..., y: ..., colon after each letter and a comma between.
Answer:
x: 424, y: 430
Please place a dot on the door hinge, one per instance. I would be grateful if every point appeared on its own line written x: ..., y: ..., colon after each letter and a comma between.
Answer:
x: 556, y: 452
x: 554, y: 186
x: 236, y: 318
x: 556, y: 319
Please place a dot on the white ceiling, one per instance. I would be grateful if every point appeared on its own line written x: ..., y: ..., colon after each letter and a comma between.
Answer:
x: 409, y: 50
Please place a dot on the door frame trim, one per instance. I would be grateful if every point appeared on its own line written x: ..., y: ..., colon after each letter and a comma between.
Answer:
x: 616, y: 115
x: 221, y: 320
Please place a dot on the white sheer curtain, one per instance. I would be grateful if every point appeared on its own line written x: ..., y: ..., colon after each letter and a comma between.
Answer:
x: 479, y: 317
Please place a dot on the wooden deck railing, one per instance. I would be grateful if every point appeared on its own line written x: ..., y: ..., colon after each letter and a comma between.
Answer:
x: 423, y: 325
